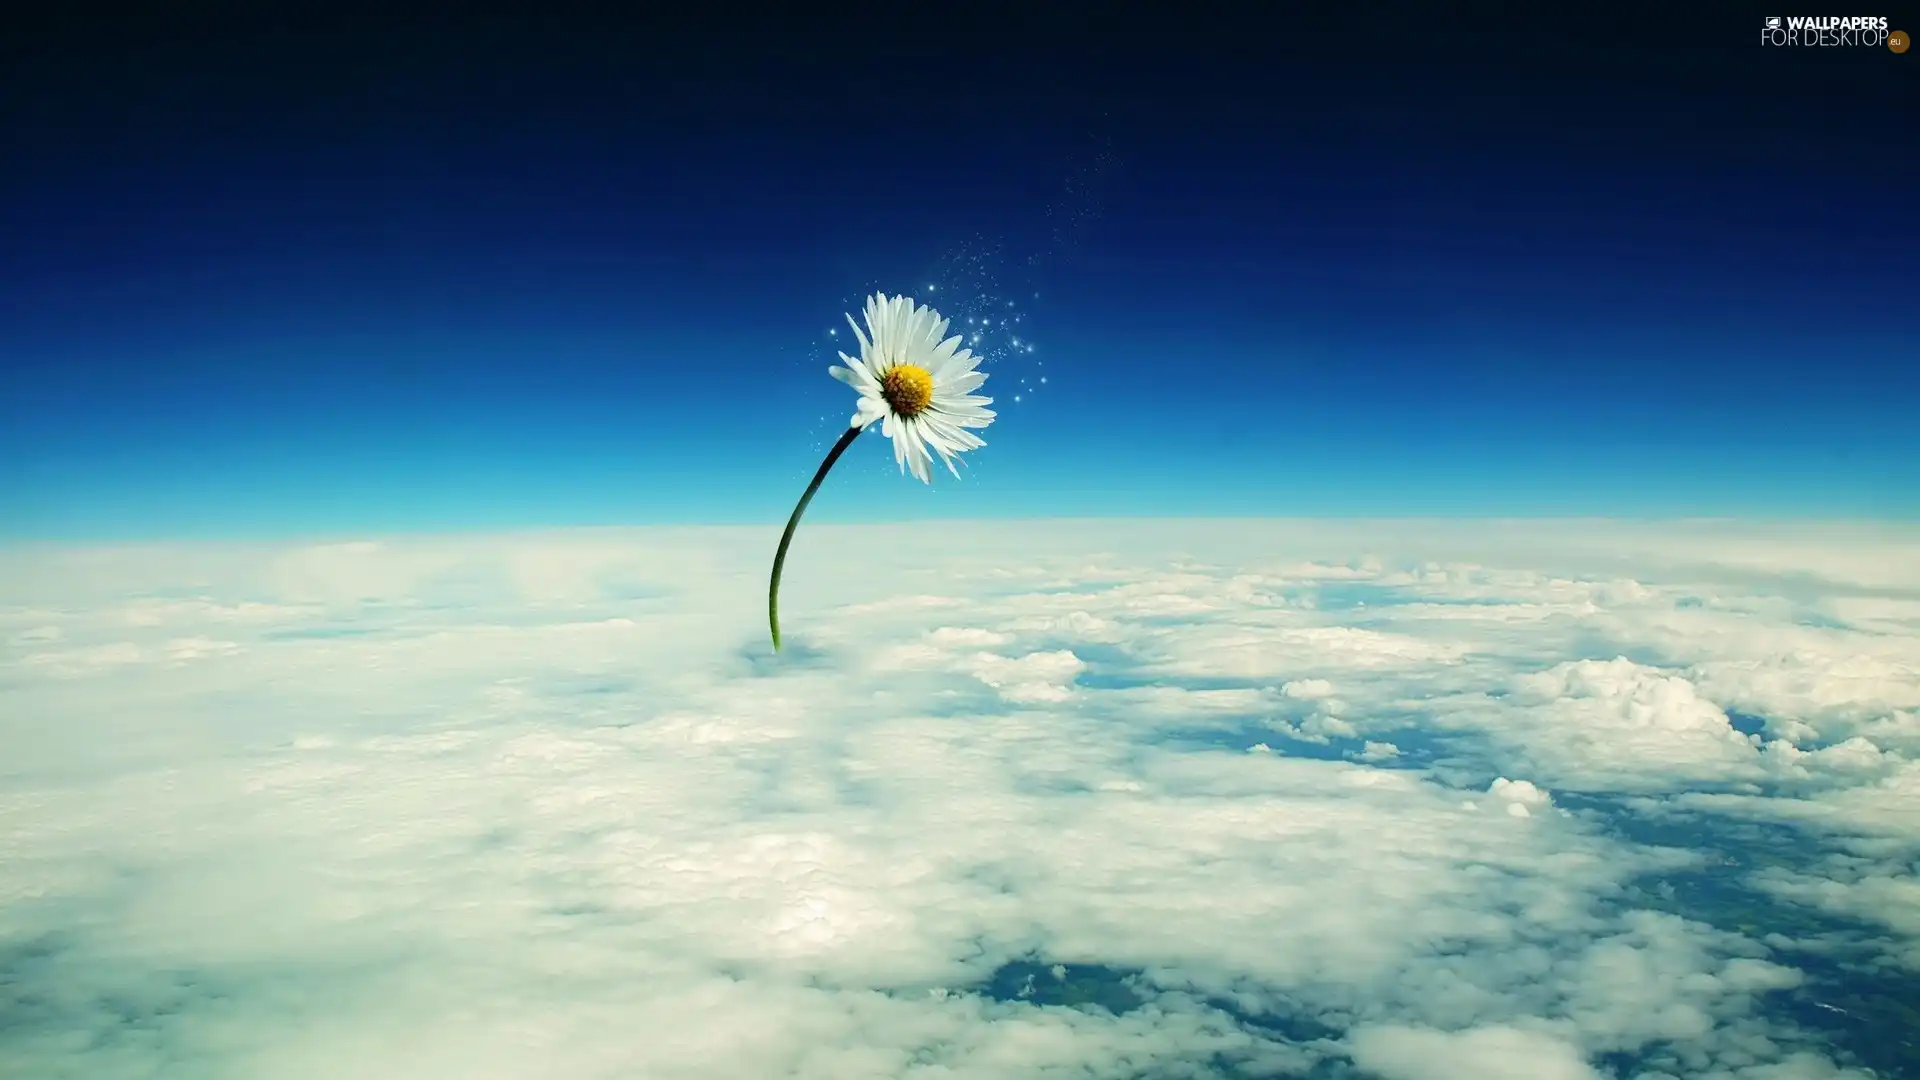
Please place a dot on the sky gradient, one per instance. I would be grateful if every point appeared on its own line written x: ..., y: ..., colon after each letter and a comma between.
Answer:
x: 269, y: 279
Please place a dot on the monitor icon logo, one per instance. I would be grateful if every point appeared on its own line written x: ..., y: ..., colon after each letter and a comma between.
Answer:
x: 1773, y: 22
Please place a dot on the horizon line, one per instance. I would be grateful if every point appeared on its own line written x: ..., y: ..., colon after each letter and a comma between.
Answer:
x: 375, y: 534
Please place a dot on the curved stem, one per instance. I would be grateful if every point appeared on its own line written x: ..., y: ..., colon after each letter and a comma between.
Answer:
x: 780, y: 557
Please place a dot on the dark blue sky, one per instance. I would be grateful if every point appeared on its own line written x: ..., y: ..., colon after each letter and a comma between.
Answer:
x: 355, y: 276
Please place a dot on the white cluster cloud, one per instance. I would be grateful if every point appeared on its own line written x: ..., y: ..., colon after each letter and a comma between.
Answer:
x: 1520, y: 797
x: 547, y: 805
x: 1496, y: 1052
x: 1615, y: 724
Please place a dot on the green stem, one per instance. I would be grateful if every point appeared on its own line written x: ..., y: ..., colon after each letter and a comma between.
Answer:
x: 780, y: 557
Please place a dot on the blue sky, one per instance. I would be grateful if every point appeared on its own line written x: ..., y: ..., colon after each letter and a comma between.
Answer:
x: 261, y: 281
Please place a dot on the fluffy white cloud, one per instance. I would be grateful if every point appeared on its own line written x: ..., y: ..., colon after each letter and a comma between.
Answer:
x: 547, y: 805
x: 1489, y: 1053
x: 1521, y: 797
x: 1611, y: 724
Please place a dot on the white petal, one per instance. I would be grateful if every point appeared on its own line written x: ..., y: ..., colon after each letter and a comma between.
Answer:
x: 963, y: 409
x: 935, y: 437
x: 963, y: 363
x: 945, y: 358
x: 858, y: 367
x: 867, y: 411
x: 956, y: 385
x: 907, y: 448
x: 866, y: 346
x: 899, y: 436
x: 917, y: 457
x: 952, y: 435
x: 963, y: 412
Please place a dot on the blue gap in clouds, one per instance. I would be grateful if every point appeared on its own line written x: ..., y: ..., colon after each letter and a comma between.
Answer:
x: 759, y: 660
x: 1746, y: 724
x: 1588, y: 644
x: 312, y: 633
x: 586, y: 685
x: 1082, y: 986
x: 1347, y: 596
x: 1122, y: 990
x: 1863, y: 1005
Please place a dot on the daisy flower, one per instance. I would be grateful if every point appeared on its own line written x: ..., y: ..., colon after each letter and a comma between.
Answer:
x: 918, y: 386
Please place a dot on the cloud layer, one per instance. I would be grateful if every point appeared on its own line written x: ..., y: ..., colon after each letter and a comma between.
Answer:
x: 1414, y: 801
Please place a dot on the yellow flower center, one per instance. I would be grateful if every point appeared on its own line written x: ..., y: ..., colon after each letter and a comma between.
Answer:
x: 908, y: 389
